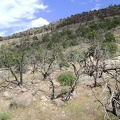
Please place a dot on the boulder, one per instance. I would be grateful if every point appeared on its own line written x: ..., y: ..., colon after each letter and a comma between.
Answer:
x: 23, y: 100
x: 118, y: 57
x: 58, y: 102
x: 7, y: 95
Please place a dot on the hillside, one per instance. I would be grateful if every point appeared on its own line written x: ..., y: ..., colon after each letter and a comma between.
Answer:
x: 68, y: 70
x: 74, y: 19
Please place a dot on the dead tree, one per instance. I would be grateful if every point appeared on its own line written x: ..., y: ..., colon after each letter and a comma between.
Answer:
x: 74, y: 59
x: 14, y: 60
x: 47, y: 60
x: 43, y: 61
x: 94, y: 64
x: 73, y: 86
x: 112, y: 104
x: 52, y: 95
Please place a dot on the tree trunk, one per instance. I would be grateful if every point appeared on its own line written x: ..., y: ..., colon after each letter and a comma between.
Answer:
x: 45, y: 75
x: 95, y: 82
x: 53, y: 89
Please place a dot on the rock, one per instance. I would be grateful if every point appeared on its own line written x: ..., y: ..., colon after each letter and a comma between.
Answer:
x: 11, y: 87
x: 118, y: 57
x: 43, y: 98
x: 36, y: 85
x: 23, y: 90
x: 35, y: 81
x: 64, y: 68
x: 58, y: 102
x: 74, y: 95
x: 17, y: 88
x: 6, y: 95
x: 23, y: 100
x: 34, y: 99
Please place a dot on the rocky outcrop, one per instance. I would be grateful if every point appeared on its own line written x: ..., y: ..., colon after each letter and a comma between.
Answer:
x: 23, y: 100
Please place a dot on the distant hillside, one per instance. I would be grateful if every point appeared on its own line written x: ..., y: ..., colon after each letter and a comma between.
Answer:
x: 85, y: 17
x: 91, y: 15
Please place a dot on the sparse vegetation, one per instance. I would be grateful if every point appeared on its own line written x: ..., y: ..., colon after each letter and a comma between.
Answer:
x: 64, y: 64
x: 85, y: 45
x: 5, y: 116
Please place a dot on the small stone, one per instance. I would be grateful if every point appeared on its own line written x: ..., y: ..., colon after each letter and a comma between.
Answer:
x: 58, y: 102
x: 6, y: 95
x: 11, y: 87
x: 43, y: 98
x: 34, y: 99
x: 23, y: 90
x: 17, y: 88
x: 63, y: 68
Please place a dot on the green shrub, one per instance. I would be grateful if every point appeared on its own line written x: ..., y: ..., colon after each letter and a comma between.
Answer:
x: 35, y: 38
x: 45, y: 38
x: 111, y: 47
x: 92, y: 35
x: 5, y: 116
x: 65, y: 43
x: 109, y: 37
x: 94, y: 26
x: 66, y: 78
x: 64, y: 64
x: 73, y: 42
x: 49, y: 45
x: 82, y: 30
x: 62, y: 56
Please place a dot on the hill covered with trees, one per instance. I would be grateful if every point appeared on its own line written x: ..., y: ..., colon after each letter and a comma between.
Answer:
x: 84, y: 17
